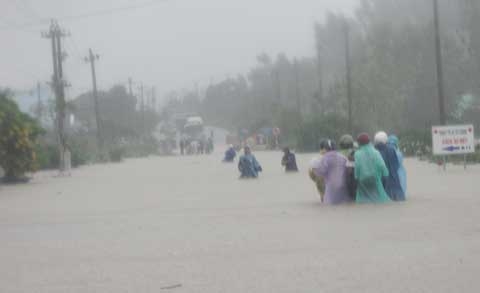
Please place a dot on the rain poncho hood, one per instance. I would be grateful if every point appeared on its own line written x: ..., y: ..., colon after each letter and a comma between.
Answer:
x: 369, y: 171
x: 393, y: 140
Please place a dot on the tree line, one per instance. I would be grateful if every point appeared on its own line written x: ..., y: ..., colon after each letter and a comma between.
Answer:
x: 393, y: 78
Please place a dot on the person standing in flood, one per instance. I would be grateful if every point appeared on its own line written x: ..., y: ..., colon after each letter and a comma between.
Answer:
x: 332, y: 168
x: 210, y: 145
x: 402, y: 172
x: 182, y: 146
x: 248, y: 164
x: 289, y: 161
x: 230, y: 155
x: 370, y: 169
x: 347, y: 148
x: 389, y: 155
x: 318, y: 180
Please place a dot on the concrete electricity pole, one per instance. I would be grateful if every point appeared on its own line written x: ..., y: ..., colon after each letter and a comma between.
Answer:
x: 154, y: 99
x: 439, y: 63
x: 276, y: 85
x: 297, y: 87
x: 39, y: 103
x: 142, y: 109
x: 320, y: 77
x: 348, y: 75
x: 91, y: 59
x: 56, y: 34
x: 130, y: 86
x: 320, y: 53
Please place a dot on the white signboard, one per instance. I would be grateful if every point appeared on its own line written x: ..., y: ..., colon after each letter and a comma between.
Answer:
x: 453, y: 139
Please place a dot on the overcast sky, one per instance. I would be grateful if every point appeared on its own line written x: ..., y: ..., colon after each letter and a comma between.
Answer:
x: 172, y: 44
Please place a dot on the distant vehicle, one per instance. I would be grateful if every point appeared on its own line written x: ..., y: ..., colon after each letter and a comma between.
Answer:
x: 193, y: 135
x: 194, y: 128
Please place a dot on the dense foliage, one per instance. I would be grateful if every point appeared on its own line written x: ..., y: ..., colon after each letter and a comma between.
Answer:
x: 126, y: 124
x: 122, y: 116
x: 18, y: 136
x: 392, y: 53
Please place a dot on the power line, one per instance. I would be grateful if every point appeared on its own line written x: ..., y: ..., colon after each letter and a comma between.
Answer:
x: 73, y: 47
x: 102, y: 12
x: 112, y: 10
x: 26, y: 8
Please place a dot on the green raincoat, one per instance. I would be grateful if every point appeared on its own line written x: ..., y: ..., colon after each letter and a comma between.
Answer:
x: 369, y: 171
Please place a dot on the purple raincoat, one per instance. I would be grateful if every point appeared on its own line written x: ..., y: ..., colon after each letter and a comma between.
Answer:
x: 333, y: 169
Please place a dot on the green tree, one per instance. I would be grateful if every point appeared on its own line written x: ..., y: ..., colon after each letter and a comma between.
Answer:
x: 18, y: 135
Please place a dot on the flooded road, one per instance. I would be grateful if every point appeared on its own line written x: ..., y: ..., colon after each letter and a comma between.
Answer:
x: 187, y: 224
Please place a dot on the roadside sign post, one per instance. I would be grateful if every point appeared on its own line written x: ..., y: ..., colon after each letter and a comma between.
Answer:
x: 453, y: 140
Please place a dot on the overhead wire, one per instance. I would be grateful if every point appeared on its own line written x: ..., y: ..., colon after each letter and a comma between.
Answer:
x: 101, y: 12
x: 27, y: 9
x: 73, y: 47
x: 112, y: 10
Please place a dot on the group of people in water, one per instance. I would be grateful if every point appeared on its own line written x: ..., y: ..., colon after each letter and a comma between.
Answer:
x: 196, y: 146
x: 352, y: 171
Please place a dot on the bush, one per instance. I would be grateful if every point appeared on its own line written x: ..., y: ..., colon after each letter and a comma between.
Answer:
x: 116, y: 154
x: 47, y: 156
x: 82, y: 152
x: 18, y: 135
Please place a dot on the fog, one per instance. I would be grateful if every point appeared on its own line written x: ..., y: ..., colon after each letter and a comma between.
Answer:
x: 239, y: 146
x: 170, y: 44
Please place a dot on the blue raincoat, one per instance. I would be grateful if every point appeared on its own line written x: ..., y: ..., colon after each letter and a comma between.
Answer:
x: 230, y: 155
x: 392, y: 181
x: 249, y: 166
x: 402, y: 172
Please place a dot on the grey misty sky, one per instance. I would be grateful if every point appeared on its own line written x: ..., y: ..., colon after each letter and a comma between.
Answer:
x: 172, y: 44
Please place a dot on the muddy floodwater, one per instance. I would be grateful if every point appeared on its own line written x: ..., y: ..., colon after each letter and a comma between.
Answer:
x: 187, y: 224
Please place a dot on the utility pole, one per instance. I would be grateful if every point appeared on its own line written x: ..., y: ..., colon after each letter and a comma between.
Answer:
x: 56, y: 34
x: 130, y: 86
x: 348, y: 75
x: 134, y: 117
x: 154, y: 99
x: 142, y: 105
x: 277, y: 91
x: 439, y: 63
x: 320, y: 53
x: 91, y: 59
x: 297, y: 88
x: 39, y: 103
x: 320, y: 78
